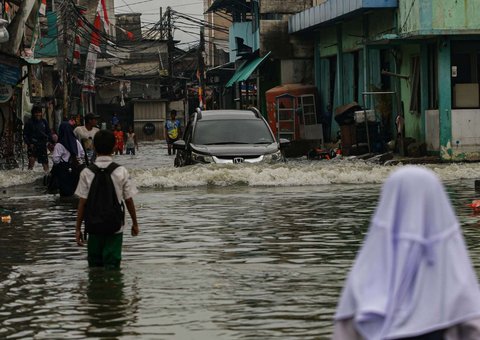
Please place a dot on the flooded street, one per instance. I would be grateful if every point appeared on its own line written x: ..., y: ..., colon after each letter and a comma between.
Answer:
x: 224, y: 252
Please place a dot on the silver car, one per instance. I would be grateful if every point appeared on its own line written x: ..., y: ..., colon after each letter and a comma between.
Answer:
x: 228, y: 136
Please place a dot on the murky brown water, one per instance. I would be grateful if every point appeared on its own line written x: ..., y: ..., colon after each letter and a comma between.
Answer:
x: 212, y: 262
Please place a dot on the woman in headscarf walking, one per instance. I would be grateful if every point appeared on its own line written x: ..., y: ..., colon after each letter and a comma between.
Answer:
x: 67, y: 158
x: 413, y: 278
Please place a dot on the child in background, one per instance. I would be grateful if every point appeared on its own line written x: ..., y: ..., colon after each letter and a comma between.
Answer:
x: 172, y: 131
x: 105, y: 250
x: 131, y: 142
x: 119, y: 139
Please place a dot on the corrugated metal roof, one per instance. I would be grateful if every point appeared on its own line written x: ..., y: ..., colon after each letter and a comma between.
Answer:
x: 331, y: 10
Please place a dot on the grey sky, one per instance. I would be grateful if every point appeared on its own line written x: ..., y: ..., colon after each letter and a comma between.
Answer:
x: 150, y: 10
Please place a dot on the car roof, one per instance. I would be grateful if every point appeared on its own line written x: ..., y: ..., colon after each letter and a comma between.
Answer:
x: 228, y: 114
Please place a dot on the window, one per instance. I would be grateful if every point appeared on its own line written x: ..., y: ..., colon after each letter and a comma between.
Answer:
x: 232, y: 131
x: 465, y: 63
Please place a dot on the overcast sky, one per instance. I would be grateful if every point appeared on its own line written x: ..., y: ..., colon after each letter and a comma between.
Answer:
x: 150, y: 10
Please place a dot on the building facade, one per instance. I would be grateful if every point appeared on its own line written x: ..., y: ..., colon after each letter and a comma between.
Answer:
x: 421, y: 54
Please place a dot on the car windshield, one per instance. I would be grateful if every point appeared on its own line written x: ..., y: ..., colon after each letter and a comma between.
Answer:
x: 232, y: 131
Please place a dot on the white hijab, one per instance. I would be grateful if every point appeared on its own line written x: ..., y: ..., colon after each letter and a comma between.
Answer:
x: 412, y: 275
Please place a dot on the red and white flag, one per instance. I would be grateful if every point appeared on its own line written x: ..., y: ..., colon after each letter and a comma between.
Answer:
x: 103, y: 14
x: 129, y: 34
x: 76, y: 50
x: 91, y: 63
x: 90, y: 70
x: 78, y: 40
x: 43, y: 7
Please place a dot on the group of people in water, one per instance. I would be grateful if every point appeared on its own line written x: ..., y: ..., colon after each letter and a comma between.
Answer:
x: 72, y: 148
x: 411, y: 279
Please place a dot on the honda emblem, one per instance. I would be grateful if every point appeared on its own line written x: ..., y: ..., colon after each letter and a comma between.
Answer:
x: 238, y: 160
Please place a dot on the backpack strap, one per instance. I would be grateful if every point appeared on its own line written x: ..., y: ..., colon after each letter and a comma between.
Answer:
x: 94, y: 168
x: 110, y: 168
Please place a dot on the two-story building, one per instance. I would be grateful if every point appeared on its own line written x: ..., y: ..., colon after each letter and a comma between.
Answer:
x: 422, y: 56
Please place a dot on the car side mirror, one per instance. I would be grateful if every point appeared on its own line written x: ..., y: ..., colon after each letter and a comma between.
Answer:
x: 284, y: 143
x: 179, y: 145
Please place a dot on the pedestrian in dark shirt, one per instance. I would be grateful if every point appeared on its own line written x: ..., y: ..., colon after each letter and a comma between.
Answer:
x: 36, y: 135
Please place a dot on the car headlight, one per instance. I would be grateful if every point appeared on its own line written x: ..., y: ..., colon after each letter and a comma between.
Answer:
x: 198, y: 157
x: 273, y: 157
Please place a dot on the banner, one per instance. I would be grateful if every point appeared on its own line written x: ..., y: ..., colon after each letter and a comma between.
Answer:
x: 90, y: 70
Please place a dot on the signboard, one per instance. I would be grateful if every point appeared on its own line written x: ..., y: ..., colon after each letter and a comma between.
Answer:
x: 149, y: 129
x: 9, y: 74
x: 6, y: 92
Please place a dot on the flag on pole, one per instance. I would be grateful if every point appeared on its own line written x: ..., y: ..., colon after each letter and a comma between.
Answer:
x: 43, y: 7
x: 78, y: 40
x: 76, y: 50
x: 129, y: 35
x: 95, y: 37
x: 90, y: 70
x: 103, y: 14
x: 94, y: 46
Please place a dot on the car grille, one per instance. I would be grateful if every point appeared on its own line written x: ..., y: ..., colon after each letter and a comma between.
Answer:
x: 238, y: 159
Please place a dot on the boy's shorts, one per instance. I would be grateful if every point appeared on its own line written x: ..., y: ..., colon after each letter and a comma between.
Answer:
x: 39, y: 151
x: 105, y: 250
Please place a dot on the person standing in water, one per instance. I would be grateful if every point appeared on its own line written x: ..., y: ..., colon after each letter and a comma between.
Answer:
x: 85, y: 135
x: 36, y: 135
x: 119, y: 139
x: 131, y: 143
x: 172, y: 131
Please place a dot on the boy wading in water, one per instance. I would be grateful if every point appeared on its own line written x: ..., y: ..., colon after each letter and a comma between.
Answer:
x: 104, y: 223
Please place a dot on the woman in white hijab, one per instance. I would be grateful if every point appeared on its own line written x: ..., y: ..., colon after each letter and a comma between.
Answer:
x: 412, y: 278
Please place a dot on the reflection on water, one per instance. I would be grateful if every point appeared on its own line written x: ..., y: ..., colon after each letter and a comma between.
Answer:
x: 214, y: 260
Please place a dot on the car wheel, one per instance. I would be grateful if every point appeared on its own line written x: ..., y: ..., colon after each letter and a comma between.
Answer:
x: 179, y: 160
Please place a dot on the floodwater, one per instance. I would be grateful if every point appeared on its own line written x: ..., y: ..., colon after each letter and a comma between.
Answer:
x: 225, y: 252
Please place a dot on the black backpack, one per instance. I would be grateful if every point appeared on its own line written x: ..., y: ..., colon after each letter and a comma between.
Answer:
x: 104, y: 215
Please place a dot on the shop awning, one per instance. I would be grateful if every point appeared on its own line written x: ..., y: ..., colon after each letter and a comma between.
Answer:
x: 330, y: 11
x: 246, y: 70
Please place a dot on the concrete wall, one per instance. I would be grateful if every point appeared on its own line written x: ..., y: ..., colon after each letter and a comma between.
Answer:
x: 465, y: 133
x: 284, y: 6
x: 215, y: 39
x: 432, y: 130
x: 435, y: 15
x: 297, y: 71
x: 242, y: 30
x: 130, y: 22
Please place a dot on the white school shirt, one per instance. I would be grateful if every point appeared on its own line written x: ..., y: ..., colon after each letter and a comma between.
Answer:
x: 81, y: 132
x: 124, y: 187
x: 60, y: 153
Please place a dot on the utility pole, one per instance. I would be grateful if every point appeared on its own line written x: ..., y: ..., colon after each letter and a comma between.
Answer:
x: 170, y: 46
x: 201, y: 69
x: 65, y: 62
x: 162, y: 34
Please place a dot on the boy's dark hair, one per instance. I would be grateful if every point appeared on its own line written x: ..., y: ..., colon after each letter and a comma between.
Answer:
x: 35, y: 109
x: 173, y: 112
x: 104, y: 142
